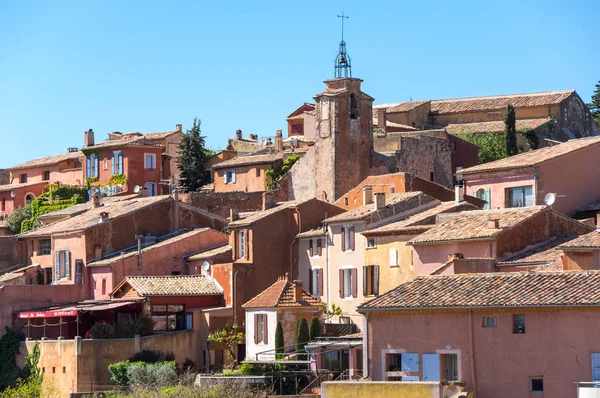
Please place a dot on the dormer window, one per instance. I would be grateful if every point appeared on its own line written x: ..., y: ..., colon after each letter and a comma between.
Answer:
x: 354, y: 108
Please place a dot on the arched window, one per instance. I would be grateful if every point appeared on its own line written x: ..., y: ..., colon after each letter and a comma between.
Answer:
x: 393, y: 257
x: 29, y: 198
x: 354, y: 109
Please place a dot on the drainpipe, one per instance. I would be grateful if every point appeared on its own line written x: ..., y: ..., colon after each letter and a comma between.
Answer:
x: 536, y: 184
x: 366, y: 361
x: 472, y: 354
x: 139, y: 250
x: 233, y: 295
x: 292, y: 246
x: 327, y: 262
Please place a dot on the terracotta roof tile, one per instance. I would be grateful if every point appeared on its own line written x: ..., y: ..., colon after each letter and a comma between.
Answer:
x: 473, y: 225
x: 10, y: 187
x: 127, y: 141
x: 281, y: 294
x: 495, y: 290
x: 259, y: 215
x: 495, y: 126
x: 533, y: 158
x: 173, y: 285
x: 250, y: 160
x: 311, y: 233
x: 210, y: 253
x: 49, y: 160
x: 546, y: 254
x: 590, y: 240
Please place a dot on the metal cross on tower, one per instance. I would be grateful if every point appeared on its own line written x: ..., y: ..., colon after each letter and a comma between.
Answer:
x: 342, y: 60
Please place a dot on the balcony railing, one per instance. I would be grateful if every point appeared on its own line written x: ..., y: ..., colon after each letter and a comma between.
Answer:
x: 588, y: 389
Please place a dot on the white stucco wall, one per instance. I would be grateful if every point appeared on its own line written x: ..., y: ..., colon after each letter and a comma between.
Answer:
x: 251, y: 348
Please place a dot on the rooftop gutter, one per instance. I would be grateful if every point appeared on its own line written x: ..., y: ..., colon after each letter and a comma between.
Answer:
x: 395, y: 309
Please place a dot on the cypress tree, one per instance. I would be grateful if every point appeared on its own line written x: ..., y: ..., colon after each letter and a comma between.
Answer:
x: 279, y: 340
x: 314, y: 329
x: 594, y: 105
x: 191, y: 159
x: 301, y: 334
x: 510, y: 131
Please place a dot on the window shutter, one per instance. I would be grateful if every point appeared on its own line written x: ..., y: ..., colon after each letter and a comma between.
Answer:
x: 352, y: 238
x: 256, y: 328
x: 225, y: 177
x: 57, y: 265
x: 113, y: 164
x: 67, y: 265
x: 341, y: 283
x: 343, y: 239
x: 376, y: 280
x: 310, y: 248
x: 354, y: 283
x: 311, y: 276
x: 474, y: 193
x: 96, y: 166
x: 319, y: 247
x: 246, y: 245
x: 486, y: 197
x: 265, y: 330
x: 320, y: 281
x: 120, y: 170
x: 88, y: 166
x: 365, y: 279
x: 233, y: 176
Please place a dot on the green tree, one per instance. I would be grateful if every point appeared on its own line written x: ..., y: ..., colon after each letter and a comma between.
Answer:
x: 595, y: 105
x: 510, y: 131
x: 279, y: 340
x: 491, y: 145
x: 231, y: 336
x: 16, y: 218
x: 314, y: 329
x: 301, y: 334
x: 191, y: 160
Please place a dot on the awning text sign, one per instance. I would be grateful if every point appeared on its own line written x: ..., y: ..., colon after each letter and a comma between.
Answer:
x: 47, y: 314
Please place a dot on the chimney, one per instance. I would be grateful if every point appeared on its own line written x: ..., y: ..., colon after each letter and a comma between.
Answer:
x: 269, y: 141
x: 71, y: 150
x: 297, y: 290
x: 381, y: 118
x: 459, y: 194
x: 367, y: 195
x: 234, y: 214
x: 98, y: 252
x: 104, y: 217
x: 178, y: 127
x: 115, y: 135
x: 238, y: 134
x: 96, y: 200
x: 452, y: 256
x: 493, y: 224
x: 88, y: 138
x: 268, y: 200
x: 278, y: 140
x: 379, y: 200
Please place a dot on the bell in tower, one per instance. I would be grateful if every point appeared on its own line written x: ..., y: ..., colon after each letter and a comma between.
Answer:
x: 342, y: 66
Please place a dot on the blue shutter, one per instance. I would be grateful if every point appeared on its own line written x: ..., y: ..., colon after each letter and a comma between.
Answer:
x: 233, y: 176
x: 67, y: 265
x: 120, y: 163
x: 57, y: 276
x: 96, y: 164
x: 88, y: 164
x: 113, y: 164
x: 486, y: 197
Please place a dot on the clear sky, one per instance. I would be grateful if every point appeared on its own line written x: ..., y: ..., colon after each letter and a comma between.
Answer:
x: 67, y: 66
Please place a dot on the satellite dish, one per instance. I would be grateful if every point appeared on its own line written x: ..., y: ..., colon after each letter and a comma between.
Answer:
x: 205, y: 266
x: 550, y: 198
x: 136, y: 189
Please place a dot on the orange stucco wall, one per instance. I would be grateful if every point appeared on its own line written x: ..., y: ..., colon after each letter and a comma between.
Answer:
x: 247, y: 179
x: 428, y: 258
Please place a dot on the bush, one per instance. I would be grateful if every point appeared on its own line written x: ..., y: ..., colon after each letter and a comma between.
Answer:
x: 149, y: 356
x: 16, y: 218
x: 102, y: 330
x: 314, y: 329
x: 144, y: 326
x: 301, y: 334
x: 118, y: 373
x: 160, y: 374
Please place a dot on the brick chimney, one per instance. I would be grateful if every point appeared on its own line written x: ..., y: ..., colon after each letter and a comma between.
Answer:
x: 104, y: 216
x: 115, y: 135
x: 88, y: 138
x: 238, y: 134
x: 379, y: 200
x: 459, y: 194
x: 381, y: 118
x: 96, y: 200
x: 234, y: 214
x: 278, y: 140
x: 298, y: 290
x: 269, y: 141
x: 268, y: 200
x: 178, y: 127
x: 367, y: 195
x: 71, y: 150
x: 493, y: 224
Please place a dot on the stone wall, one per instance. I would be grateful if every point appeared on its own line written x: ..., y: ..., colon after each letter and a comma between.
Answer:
x: 220, y: 203
x: 4, y: 177
x: 11, y: 253
x: 575, y: 116
x: 425, y: 157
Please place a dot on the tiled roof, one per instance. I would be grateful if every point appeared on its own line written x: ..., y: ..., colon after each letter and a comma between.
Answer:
x: 127, y: 141
x: 172, y: 285
x: 48, y: 160
x: 590, y: 240
x: 531, y: 158
x: 249, y: 160
x: 495, y: 126
x: 425, y: 219
x: 545, y: 253
x: 160, y: 134
x: 91, y: 218
x: 281, y: 294
x: 259, y: 215
x: 10, y: 187
x: 473, y: 225
x: 494, y: 290
x: 497, y: 102
x: 364, y: 211
x: 210, y: 253
x: 83, y: 207
x: 311, y: 233
x: 594, y: 206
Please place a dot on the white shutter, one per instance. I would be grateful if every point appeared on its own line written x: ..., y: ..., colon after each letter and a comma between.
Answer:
x: 225, y: 177
x: 57, y: 266
x: 233, y: 176
x: 67, y: 265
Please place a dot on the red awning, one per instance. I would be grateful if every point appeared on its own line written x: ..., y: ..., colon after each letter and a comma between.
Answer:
x: 73, y: 310
x: 48, y: 314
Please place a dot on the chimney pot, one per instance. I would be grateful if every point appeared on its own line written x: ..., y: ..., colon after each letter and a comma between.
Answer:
x: 379, y: 200
x: 367, y: 195
x: 178, y: 127
x: 238, y: 134
x: 278, y: 140
x: 268, y: 200
x: 88, y: 138
x: 493, y: 224
x: 459, y: 194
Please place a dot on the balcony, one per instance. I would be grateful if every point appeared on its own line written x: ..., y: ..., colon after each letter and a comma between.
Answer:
x: 588, y: 389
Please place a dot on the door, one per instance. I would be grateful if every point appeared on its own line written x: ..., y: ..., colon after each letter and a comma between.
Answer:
x: 595, y: 367
x: 431, y: 367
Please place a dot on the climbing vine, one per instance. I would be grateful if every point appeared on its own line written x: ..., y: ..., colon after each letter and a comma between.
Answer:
x: 114, y: 180
x: 56, y: 197
x: 274, y: 175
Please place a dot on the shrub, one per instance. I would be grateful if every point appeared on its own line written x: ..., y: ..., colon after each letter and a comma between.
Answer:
x: 301, y: 334
x: 102, y: 330
x: 314, y: 329
x: 144, y: 326
x: 160, y: 374
x: 149, y: 356
x: 279, y: 344
x: 16, y: 218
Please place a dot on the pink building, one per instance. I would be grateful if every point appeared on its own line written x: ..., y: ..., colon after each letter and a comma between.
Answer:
x: 524, y: 180
x: 498, y: 335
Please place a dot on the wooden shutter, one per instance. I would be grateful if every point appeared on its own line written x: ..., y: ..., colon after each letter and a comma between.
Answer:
x: 256, y: 328
x: 224, y: 176
x: 88, y: 166
x: 319, y: 247
x: 365, y: 280
x: 120, y: 163
x: 341, y: 283
x: 67, y: 265
x: 57, y: 265
x: 246, y: 244
x: 233, y: 176
x: 486, y: 197
x: 96, y: 165
x: 113, y: 164
x: 311, y: 276
x: 375, y: 280
x: 354, y: 282
x: 352, y: 238
x: 343, y: 239
x: 320, y: 281
x: 311, y: 250
x: 265, y: 330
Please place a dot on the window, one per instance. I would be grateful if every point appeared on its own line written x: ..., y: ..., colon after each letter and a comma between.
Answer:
x: 519, y: 323
x: 175, y: 273
x: 117, y: 162
x: 210, y: 209
x: 29, y: 198
x: 403, y: 362
x: 315, y: 247
x: 483, y: 194
x: 103, y: 285
x: 489, y: 322
x: 354, y: 108
x: 48, y: 276
x: 231, y: 176
x: 168, y: 317
x: 241, y: 244
x: 316, y: 282
x: 92, y: 165
x: 595, y: 366
x: 519, y: 197
x: 431, y: 176
x: 23, y: 178
x: 370, y: 280
x: 151, y: 188
x: 537, y: 384
x: 260, y: 329
x: 257, y: 172
x: 371, y: 243
x: 347, y: 239
x: 63, y: 264
x: 3, y: 206
x: 149, y: 161
x: 348, y: 283
x: 394, y: 258
x: 45, y: 247
x: 46, y: 175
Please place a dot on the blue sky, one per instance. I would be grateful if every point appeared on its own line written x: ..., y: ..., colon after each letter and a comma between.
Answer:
x: 67, y: 66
